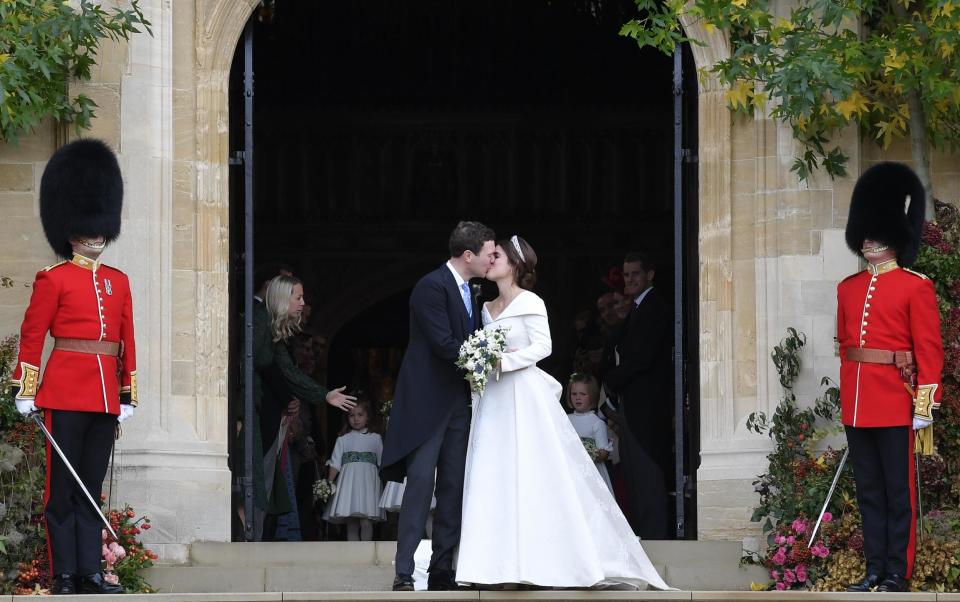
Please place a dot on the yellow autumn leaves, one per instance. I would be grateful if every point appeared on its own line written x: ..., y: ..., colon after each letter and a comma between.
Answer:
x: 944, y: 10
x: 893, y: 123
x: 894, y: 61
x: 854, y: 104
x: 741, y: 96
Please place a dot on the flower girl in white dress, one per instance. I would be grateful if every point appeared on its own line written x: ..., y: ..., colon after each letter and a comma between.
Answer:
x: 582, y: 395
x: 356, y: 460
x: 535, y: 509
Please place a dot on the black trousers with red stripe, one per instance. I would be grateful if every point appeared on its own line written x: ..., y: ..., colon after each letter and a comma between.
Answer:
x: 73, y: 526
x: 883, y: 468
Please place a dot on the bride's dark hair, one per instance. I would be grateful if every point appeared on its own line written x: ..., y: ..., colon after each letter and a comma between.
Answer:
x: 525, y: 268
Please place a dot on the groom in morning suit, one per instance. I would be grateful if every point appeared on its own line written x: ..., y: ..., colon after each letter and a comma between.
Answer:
x: 430, y: 420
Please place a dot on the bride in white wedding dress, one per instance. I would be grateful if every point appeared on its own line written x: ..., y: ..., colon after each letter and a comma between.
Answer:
x: 535, y: 508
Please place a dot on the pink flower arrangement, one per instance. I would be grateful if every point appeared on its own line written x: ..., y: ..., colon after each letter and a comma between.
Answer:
x: 819, y: 550
x: 112, y: 554
x: 124, y: 559
x: 799, y: 526
x: 792, y: 564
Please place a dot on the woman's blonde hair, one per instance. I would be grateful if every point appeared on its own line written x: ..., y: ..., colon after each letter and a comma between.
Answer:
x: 277, y: 299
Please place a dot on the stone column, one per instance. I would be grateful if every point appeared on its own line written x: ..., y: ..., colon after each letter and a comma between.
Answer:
x: 771, y: 253
x: 171, y: 461
x: 770, y: 259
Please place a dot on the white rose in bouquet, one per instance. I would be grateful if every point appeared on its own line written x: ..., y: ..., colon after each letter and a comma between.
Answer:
x: 480, y: 354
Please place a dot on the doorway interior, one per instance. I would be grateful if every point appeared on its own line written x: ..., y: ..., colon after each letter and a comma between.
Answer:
x: 378, y: 125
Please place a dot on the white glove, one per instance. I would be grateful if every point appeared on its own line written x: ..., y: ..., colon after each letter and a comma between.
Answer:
x: 919, y: 423
x: 126, y: 411
x: 25, y: 406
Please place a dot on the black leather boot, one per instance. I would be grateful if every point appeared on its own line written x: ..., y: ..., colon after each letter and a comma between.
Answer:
x: 868, y: 583
x: 441, y: 580
x: 894, y: 583
x: 63, y: 585
x: 403, y: 583
x: 96, y: 584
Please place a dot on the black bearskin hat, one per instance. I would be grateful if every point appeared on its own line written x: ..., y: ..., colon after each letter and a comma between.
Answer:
x: 879, y: 210
x: 81, y: 194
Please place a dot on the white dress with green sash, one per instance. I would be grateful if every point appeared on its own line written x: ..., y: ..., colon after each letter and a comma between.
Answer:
x: 356, y: 455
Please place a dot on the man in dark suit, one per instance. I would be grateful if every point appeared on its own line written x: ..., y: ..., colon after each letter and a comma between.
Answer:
x: 430, y: 420
x: 640, y: 375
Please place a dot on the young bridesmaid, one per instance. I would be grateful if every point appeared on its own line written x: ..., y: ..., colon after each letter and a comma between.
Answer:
x: 355, y: 465
x: 582, y: 396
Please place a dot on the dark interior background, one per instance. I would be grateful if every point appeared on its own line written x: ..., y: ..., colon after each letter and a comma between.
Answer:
x: 380, y: 124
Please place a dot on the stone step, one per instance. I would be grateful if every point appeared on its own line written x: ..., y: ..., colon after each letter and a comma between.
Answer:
x: 275, y: 579
x: 382, y: 552
x: 306, y: 553
x: 518, y: 596
x: 368, y: 567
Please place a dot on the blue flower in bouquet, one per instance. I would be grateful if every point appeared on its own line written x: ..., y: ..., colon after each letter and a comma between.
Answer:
x: 480, y: 354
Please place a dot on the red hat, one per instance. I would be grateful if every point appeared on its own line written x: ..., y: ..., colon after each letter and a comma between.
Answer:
x: 614, y: 279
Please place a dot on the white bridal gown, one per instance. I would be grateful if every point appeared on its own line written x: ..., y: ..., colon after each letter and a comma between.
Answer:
x: 535, y: 509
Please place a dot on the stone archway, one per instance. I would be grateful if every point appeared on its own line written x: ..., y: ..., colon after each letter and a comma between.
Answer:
x: 217, y: 28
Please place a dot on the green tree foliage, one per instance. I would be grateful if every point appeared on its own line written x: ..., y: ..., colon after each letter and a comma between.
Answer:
x: 21, y: 481
x: 889, y: 66
x: 43, y: 45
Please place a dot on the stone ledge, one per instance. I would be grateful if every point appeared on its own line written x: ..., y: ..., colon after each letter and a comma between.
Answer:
x: 505, y: 596
x: 285, y: 554
x: 368, y: 566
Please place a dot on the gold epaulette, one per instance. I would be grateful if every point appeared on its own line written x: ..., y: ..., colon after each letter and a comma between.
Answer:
x: 916, y: 273
x: 50, y: 267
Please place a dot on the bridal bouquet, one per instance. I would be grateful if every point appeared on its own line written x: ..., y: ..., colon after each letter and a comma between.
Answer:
x: 592, y: 449
x: 479, y: 354
x: 322, y: 490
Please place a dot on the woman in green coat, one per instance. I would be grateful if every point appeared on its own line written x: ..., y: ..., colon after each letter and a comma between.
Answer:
x: 281, y: 387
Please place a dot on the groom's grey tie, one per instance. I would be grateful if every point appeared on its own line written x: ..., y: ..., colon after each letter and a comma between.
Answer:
x: 465, y: 293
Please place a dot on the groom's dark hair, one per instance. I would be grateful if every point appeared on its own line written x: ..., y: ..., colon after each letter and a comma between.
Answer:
x: 469, y: 236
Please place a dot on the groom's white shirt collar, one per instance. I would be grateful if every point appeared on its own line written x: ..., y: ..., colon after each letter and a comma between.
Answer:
x: 640, y: 297
x: 456, y: 275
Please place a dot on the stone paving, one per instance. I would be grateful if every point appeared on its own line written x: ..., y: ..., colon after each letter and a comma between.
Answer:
x: 506, y: 596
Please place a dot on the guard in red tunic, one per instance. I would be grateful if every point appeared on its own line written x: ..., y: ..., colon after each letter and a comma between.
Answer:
x: 90, y: 381
x: 891, y: 357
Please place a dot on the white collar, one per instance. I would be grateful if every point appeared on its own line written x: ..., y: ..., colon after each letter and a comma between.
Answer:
x: 587, y: 413
x: 456, y: 275
x: 640, y: 297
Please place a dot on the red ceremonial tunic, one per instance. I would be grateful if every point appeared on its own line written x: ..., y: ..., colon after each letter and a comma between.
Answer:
x: 78, y: 299
x: 890, y: 308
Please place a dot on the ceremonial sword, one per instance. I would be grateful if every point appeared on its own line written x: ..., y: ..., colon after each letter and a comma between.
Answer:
x: 916, y: 459
x: 826, y: 502
x: 53, y: 443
